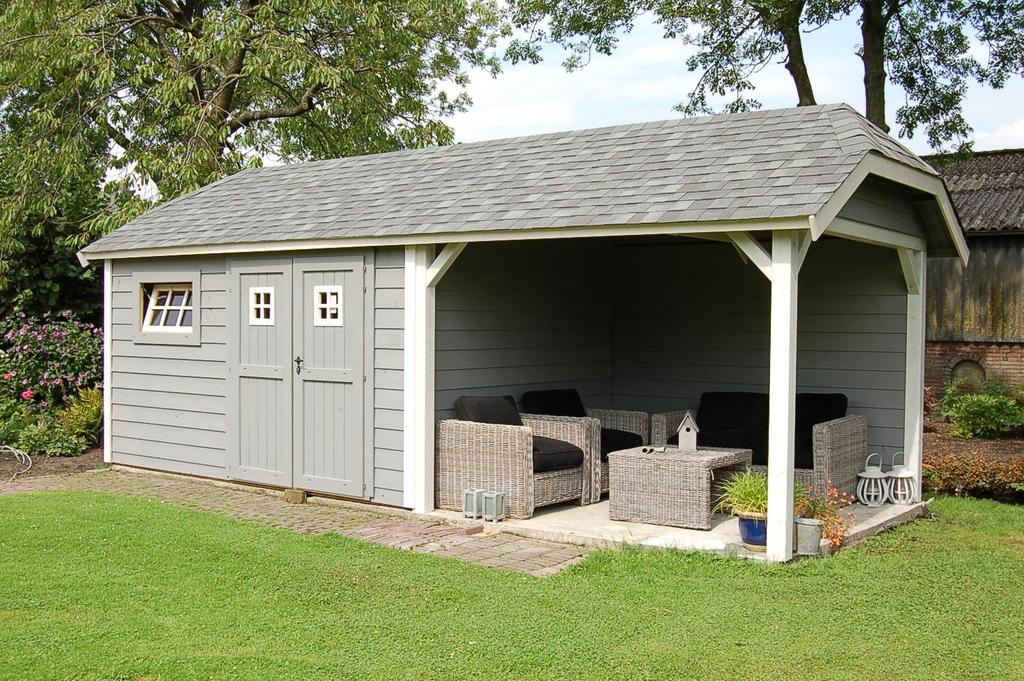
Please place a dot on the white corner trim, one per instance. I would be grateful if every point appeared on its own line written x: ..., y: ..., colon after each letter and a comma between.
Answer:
x: 750, y: 247
x: 443, y: 262
x: 108, y: 389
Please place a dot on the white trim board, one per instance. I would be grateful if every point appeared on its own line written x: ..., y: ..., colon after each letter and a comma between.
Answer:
x: 653, y: 229
x: 886, y: 168
x: 108, y: 389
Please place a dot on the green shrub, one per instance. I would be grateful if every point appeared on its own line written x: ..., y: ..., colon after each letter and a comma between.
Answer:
x: 51, y: 440
x: 985, y: 415
x: 951, y: 396
x: 995, y: 410
x: 15, y: 415
x: 83, y: 416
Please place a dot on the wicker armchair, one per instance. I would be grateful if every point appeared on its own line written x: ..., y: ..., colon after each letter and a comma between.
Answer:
x: 499, y: 458
x: 618, y: 419
x: 839, y: 448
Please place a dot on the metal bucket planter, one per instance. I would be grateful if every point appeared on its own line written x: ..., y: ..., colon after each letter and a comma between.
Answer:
x: 753, y: 530
x: 808, y: 536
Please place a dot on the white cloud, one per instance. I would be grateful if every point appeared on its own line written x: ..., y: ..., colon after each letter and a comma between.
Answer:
x: 1005, y: 136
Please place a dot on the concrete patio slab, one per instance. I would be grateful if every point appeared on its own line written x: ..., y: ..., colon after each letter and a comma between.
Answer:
x: 590, y: 526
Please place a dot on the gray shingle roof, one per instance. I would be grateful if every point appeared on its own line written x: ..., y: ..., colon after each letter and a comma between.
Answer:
x: 987, y: 189
x: 757, y: 165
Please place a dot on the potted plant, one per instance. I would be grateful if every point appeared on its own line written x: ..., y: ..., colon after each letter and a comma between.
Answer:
x: 821, y: 516
x: 745, y: 495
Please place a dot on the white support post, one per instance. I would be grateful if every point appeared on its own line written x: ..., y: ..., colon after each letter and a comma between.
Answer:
x: 418, y: 403
x: 422, y: 273
x: 914, y: 268
x: 108, y: 389
x: 785, y: 269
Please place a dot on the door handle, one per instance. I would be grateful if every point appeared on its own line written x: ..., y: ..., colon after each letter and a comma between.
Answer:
x: 298, y: 365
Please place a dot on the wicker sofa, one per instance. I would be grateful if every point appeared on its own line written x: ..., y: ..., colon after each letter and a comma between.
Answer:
x: 501, y: 457
x: 830, y: 451
x: 619, y: 429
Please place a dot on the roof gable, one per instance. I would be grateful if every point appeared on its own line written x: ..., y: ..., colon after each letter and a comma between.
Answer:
x: 762, y: 165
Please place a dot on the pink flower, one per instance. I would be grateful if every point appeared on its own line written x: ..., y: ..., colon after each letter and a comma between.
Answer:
x: 9, y: 375
x: 27, y: 395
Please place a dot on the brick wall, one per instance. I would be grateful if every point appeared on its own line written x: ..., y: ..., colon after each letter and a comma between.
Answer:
x: 1000, y: 361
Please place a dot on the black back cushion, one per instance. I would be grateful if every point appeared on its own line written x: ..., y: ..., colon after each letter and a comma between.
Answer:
x: 733, y: 410
x: 564, y: 402
x: 500, y: 410
x: 815, y: 408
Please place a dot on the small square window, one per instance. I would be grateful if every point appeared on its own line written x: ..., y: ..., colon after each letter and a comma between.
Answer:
x: 168, y: 308
x: 327, y: 306
x: 261, y: 305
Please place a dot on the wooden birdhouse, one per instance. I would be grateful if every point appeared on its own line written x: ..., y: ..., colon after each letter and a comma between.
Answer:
x: 688, y: 433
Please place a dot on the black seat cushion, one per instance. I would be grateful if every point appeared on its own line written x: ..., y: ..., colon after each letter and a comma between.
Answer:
x: 554, y: 455
x: 812, y: 409
x: 613, y: 440
x: 481, y: 409
x: 564, y: 402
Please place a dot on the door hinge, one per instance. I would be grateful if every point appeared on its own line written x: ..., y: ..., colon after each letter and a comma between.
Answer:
x: 364, y: 379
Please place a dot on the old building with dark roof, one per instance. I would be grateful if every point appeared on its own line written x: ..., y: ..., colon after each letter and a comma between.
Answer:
x: 976, y: 312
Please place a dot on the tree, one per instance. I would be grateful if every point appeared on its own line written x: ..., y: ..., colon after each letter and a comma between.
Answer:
x: 923, y: 46
x: 734, y: 38
x: 165, y: 96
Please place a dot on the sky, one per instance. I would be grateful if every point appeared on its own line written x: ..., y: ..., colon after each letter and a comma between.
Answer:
x: 646, y: 77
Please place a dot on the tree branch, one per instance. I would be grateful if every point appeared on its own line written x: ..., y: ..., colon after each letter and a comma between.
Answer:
x: 304, y: 104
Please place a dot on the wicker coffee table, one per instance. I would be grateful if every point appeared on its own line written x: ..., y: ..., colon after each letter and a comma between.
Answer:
x: 671, y: 487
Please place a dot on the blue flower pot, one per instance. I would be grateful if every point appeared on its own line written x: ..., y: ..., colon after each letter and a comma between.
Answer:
x: 753, y: 532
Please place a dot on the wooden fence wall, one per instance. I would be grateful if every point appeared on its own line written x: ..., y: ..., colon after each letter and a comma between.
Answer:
x: 983, y: 302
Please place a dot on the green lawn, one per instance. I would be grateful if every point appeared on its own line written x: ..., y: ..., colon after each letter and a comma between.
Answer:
x: 95, y: 586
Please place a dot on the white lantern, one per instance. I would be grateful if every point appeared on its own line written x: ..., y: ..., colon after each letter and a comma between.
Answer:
x: 472, y: 503
x: 494, y: 506
x: 687, y: 432
x: 902, y: 481
x: 873, y: 483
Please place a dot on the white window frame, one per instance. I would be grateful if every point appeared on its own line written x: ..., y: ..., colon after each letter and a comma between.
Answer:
x: 259, y: 304
x: 152, y: 308
x: 328, y: 305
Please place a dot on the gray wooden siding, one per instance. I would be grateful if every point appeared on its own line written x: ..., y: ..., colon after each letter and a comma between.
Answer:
x: 983, y: 302
x: 879, y: 202
x: 388, y: 363
x: 169, y: 401
x: 693, y: 318
x: 517, y: 316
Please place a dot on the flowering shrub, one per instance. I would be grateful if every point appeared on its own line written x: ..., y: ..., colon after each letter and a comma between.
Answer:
x: 974, y: 475
x: 829, y: 510
x: 46, y: 360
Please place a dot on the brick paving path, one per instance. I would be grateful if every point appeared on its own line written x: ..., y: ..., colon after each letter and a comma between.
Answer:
x: 396, y: 530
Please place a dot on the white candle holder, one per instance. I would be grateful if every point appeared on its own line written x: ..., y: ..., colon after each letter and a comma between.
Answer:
x: 902, y: 481
x: 873, y: 483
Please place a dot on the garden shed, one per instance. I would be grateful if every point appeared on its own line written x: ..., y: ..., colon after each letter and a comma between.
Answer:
x: 306, y: 326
